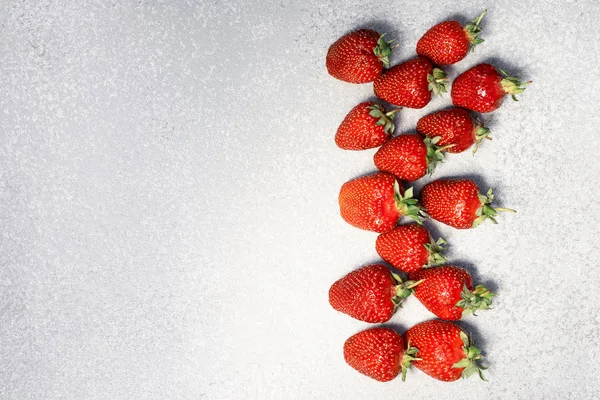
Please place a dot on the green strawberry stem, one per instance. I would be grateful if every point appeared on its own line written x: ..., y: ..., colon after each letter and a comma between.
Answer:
x: 435, y: 249
x: 410, y: 355
x: 479, y: 299
x: 473, y: 30
x: 471, y: 362
x: 512, y: 85
x: 383, y: 118
x: 486, y: 211
x: 434, y: 152
x: 481, y: 132
x: 437, y: 82
x: 407, y: 205
x: 403, y: 290
x: 383, y: 50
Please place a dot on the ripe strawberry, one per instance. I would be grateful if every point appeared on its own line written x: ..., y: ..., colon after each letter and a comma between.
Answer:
x: 455, y: 128
x: 375, y: 202
x: 410, y: 84
x: 370, y: 294
x: 448, y: 42
x: 482, y: 88
x: 366, y: 126
x: 409, y: 248
x: 448, y: 292
x: 409, y: 157
x: 443, y: 351
x: 376, y: 353
x: 358, y: 57
x: 458, y: 203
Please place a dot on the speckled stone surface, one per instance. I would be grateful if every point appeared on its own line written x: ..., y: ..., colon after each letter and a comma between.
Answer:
x: 168, y: 200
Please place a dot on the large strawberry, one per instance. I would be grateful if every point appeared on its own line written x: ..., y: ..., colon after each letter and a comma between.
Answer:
x: 370, y: 294
x: 448, y: 292
x: 375, y: 202
x: 410, y: 247
x: 358, y: 57
x: 458, y: 203
x: 410, y: 84
x: 443, y: 351
x: 449, y: 42
x: 455, y: 129
x: 482, y: 88
x: 409, y: 157
x: 366, y: 126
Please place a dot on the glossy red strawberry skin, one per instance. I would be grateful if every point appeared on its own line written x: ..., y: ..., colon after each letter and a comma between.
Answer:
x: 404, y: 156
x: 358, y: 131
x: 444, y: 44
x: 404, y: 247
x: 441, y: 289
x: 406, y: 84
x: 376, y: 353
x: 368, y: 202
x: 440, y: 347
x: 454, y: 127
x: 365, y: 294
x: 352, y: 59
x: 478, y: 89
x: 453, y: 202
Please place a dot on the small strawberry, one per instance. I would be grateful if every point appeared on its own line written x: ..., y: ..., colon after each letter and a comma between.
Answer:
x: 409, y: 248
x: 455, y: 128
x: 358, y: 57
x: 375, y: 202
x: 376, y: 353
x: 448, y: 292
x: 370, y: 294
x: 482, y: 88
x: 366, y: 126
x: 443, y: 351
x: 448, y: 42
x: 410, y: 84
x: 409, y: 157
x: 458, y: 203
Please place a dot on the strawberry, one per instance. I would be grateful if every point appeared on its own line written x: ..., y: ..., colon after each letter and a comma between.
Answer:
x: 455, y: 128
x: 376, y: 353
x: 448, y: 292
x: 375, y: 202
x: 458, y: 203
x: 358, y: 57
x: 409, y: 157
x: 370, y: 294
x: 443, y: 351
x: 410, y: 84
x: 482, y: 88
x: 409, y: 248
x: 366, y: 126
x: 449, y: 42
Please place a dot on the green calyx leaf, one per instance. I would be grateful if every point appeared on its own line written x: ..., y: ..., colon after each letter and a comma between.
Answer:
x: 512, y: 85
x: 435, y: 249
x: 472, y: 361
x: 479, y: 299
x: 437, y: 82
x: 403, y: 290
x: 385, y: 119
x: 407, y: 205
x: 473, y: 30
x: 434, y: 152
x: 383, y: 50
x: 410, y: 355
x: 481, y: 132
x: 486, y: 211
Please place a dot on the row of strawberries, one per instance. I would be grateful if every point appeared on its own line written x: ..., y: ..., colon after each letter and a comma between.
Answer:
x: 377, y: 201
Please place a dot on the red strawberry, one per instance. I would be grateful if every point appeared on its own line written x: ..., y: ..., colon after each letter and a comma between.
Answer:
x: 482, y: 88
x: 370, y: 294
x: 409, y: 248
x: 375, y: 202
x: 455, y: 128
x: 376, y: 353
x: 448, y: 42
x: 443, y: 351
x: 448, y: 292
x: 409, y: 157
x: 458, y: 203
x: 358, y: 57
x: 410, y: 84
x: 366, y: 126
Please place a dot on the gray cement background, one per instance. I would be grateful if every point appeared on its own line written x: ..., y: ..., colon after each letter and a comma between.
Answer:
x: 168, y: 200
